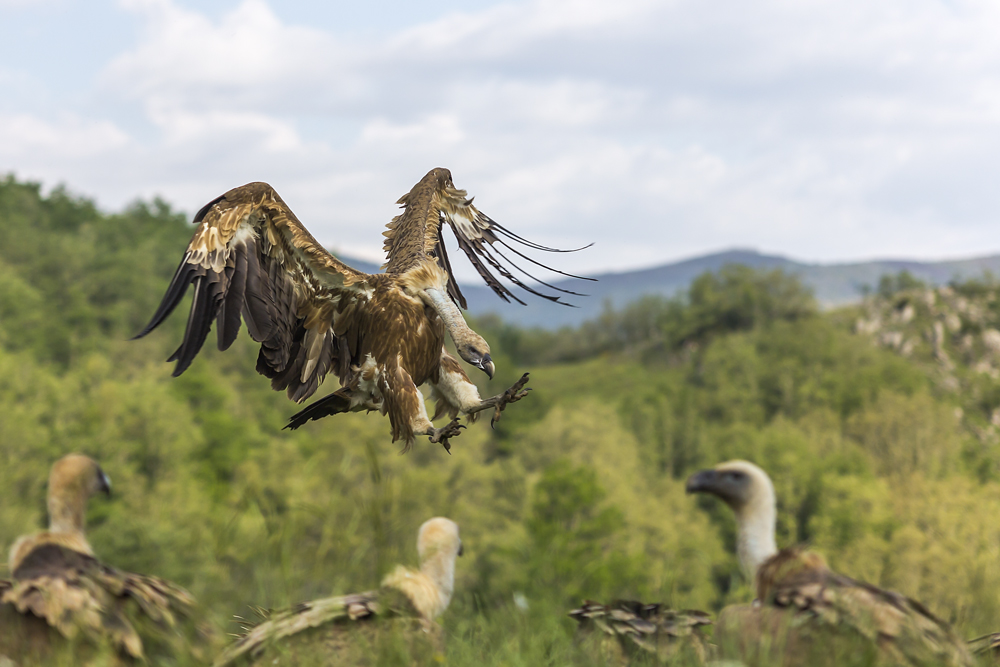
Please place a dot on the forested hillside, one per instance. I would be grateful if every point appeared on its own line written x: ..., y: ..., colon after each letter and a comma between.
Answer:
x: 878, y: 425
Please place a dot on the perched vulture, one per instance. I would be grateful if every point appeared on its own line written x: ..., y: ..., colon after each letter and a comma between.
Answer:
x: 381, y: 334
x: 806, y: 614
x: 626, y: 629
x: 62, y: 601
x: 352, y: 629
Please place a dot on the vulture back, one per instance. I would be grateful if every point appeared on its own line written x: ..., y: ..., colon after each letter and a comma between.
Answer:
x: 811, y: 615
x: 61, y: 601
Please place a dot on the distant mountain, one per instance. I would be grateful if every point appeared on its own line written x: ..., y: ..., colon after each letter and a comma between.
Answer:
x: 834, y: 284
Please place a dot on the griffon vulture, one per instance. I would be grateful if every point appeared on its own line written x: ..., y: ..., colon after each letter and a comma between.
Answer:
x: 628, y: 629
x: 806, y: 614
x: 987, y: 645
x: 381, y: 334
x: 62, y: 601
x: 340, y: 628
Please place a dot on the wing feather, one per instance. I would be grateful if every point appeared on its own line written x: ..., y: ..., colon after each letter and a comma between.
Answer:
x: 798, y: 581
x: 78, y: 596
x: 414, y: 237
x: 356, y: 607
x: 251, y: 260
x: 639, y: 628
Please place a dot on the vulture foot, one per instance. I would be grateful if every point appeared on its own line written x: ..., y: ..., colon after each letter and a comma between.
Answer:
x: 442, y: 434
x: 514, y: 394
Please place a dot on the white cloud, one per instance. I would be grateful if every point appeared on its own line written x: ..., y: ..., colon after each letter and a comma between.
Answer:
x: 825, y: 130
x: 23, y: 135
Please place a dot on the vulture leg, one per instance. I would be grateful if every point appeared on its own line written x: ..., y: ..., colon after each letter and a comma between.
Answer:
x: 514, y: 394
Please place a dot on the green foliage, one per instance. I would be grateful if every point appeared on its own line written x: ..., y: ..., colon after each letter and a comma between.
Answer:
x: 739, y: 298
x: 889, y: 285
x: 577, y: 493
x: 573, y: 536
x: 735, y: 299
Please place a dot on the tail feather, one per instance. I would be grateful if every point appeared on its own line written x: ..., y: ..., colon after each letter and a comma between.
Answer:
x: 335, y: 403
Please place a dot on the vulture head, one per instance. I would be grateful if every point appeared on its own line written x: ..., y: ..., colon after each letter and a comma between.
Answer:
x: 73, y: 480
x: 748, y: 491
x: 474, y: 349
x: 438, y: 537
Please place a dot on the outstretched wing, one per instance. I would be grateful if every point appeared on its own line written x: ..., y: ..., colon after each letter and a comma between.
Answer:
x: 414, y: 236
x: 344, y: 609
x: 252, y: 260
x: 799, y: 581
x: 78, y: 597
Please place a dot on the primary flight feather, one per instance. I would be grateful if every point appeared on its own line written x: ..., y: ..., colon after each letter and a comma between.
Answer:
x: 381, y: 334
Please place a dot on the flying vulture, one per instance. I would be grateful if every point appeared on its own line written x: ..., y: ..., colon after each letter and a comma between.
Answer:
x: 626, y: 629
x: 349, y: 628
x: 381, y: 334
x: 62, y: 601
x: 806, y: 614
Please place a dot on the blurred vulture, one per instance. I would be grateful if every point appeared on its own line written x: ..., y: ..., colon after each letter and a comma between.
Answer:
x: 987, y: 645
x: 381, y: 334
x: 626, y: 629
x: 62, y: 601
x: 806, y: 614
x: 352, y: 629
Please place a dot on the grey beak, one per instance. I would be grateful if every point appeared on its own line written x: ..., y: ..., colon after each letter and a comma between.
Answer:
x: 461, y: 548
x: 703, y: 480
x: 486, y: 365
x: 105, y: 482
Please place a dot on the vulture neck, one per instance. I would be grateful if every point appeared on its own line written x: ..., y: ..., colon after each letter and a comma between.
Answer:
x: 66, y: 510
x: 450, y: 315
x: 755, y: 531
x: 440, y: 568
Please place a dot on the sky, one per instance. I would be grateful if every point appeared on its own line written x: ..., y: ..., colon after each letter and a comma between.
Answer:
x: 818, y: 129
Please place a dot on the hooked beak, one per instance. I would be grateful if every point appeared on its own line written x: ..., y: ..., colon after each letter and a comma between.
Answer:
x: 703, y: 480
x: 486, y: 365
x: 105, y: 483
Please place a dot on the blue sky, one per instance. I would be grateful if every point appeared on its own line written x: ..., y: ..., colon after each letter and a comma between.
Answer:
x: 822, y: 130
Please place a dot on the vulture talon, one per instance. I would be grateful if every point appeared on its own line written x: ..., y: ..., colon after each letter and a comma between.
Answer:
x: 513, y: 394
x: 441, y: 435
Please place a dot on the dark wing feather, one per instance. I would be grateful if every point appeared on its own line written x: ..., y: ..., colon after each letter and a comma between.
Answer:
x: 80, y: 598
x: 640, y: 628
x: 415, y: 236
x: 251, y: 260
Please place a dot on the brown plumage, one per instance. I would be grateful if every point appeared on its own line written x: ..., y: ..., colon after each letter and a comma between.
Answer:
x: 338, y: 628
x: 381, y: 334
x: 625, y: 630
x: 62, y: 601
x: 805, y: 613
